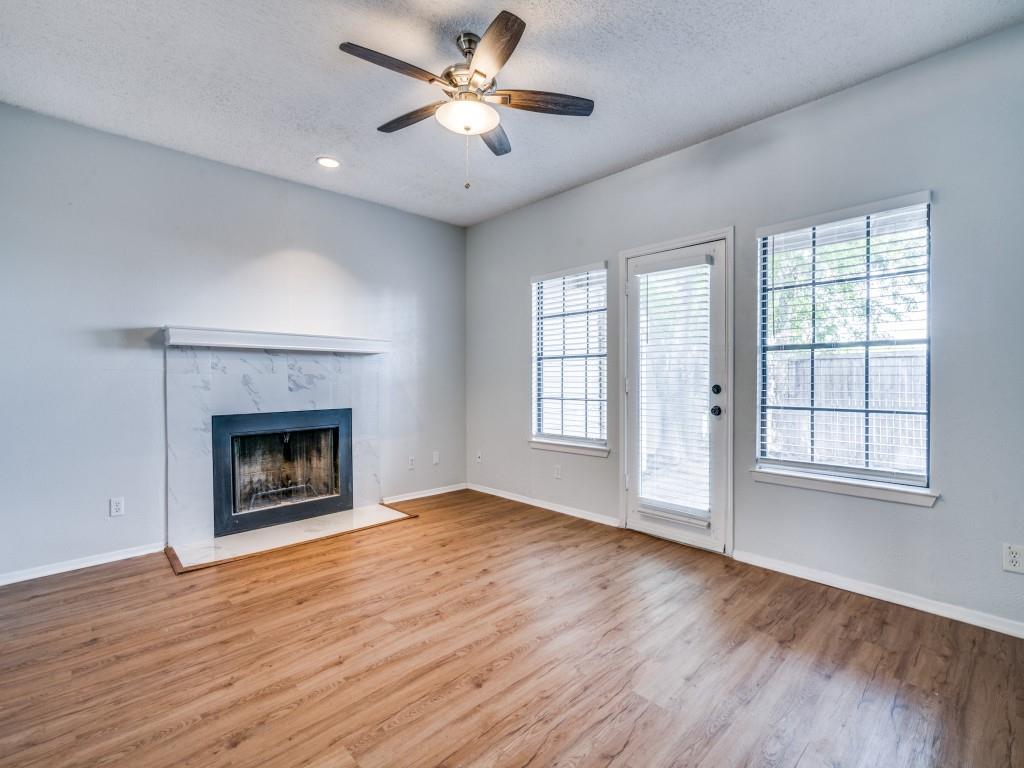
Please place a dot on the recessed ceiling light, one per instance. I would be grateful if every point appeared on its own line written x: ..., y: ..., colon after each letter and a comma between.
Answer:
x: 328, y: 162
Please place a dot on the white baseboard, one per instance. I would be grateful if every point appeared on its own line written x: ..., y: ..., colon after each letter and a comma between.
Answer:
x: 81, y: 562
x: 422, y: 494
x: 947, y: 610
x: 593, y: 517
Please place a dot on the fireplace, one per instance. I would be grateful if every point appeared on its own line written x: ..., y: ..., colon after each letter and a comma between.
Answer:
x: 271, y: 468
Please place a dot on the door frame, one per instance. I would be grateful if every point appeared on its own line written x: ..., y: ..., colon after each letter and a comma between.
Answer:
x: 728, y: 235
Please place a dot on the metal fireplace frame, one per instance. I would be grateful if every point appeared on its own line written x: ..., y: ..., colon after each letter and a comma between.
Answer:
x: 226, y: 427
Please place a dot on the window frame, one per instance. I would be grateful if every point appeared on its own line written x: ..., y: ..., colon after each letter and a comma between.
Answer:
x: 561, y: 442
x: 821, y: 476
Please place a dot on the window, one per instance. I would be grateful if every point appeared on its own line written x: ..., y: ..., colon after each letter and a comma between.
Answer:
x: 844, y: 346
x: 570, y: 356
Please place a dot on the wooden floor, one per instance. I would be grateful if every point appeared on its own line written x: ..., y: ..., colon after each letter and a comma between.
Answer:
x: 490, y: 633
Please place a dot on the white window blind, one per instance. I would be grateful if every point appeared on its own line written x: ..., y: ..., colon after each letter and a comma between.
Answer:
x: 570, y: 357
x: 674, y: 388
x: 844, y: 347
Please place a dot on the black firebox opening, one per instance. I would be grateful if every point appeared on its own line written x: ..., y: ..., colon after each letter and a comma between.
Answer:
x: 271, y: 468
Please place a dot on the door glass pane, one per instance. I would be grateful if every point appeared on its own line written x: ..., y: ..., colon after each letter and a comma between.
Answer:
x: 673, y: 390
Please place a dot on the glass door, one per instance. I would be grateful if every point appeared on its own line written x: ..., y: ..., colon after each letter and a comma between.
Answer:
x: 675, y: 397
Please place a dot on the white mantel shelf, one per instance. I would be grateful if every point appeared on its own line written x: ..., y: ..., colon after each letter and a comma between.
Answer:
x: 184, y: 336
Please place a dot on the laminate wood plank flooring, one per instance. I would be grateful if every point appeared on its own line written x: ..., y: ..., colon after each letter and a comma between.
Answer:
x: 490, y: 633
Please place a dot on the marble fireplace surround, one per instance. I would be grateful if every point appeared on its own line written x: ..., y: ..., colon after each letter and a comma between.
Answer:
x: 217, y: 371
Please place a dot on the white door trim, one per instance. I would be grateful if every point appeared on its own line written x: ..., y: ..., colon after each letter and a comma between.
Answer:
x: 727, y: 234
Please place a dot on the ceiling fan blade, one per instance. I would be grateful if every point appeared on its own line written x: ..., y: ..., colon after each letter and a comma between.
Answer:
x: 497, y: 44
x: 410, y: 118
x: 543, y: 101
x: 389, y: 62
x: 497, y: 141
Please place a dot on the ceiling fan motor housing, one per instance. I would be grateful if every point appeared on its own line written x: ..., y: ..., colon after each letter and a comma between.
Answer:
x: 467, y: 42
x: 458, y: 75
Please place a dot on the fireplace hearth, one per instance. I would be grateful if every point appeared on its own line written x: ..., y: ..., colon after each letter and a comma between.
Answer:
x: 271, y: 468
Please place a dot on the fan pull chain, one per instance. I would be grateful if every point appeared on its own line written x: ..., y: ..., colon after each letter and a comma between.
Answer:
x: 467, y: 162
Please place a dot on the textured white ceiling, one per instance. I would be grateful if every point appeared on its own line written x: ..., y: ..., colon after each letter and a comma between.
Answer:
x: 262, y: 85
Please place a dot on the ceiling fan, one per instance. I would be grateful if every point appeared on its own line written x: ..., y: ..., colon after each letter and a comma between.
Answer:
x: 471, y: 88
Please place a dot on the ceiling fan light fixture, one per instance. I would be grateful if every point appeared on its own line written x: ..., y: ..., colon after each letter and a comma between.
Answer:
x: 468, y: 117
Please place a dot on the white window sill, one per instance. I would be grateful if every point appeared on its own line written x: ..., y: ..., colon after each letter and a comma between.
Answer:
x: 867, y: 489
x: 583, y: 449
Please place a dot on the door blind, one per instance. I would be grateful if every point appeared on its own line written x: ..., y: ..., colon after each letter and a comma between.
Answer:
x: 570, y: 357
x: 844, y: 347
x: 673, y: 388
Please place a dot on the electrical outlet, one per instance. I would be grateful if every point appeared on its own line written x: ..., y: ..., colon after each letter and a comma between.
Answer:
x: 116, y: 507
x: 437, y: 457
x: 1013, y: 558
x: 558, y: 471
x: 479, y: 458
